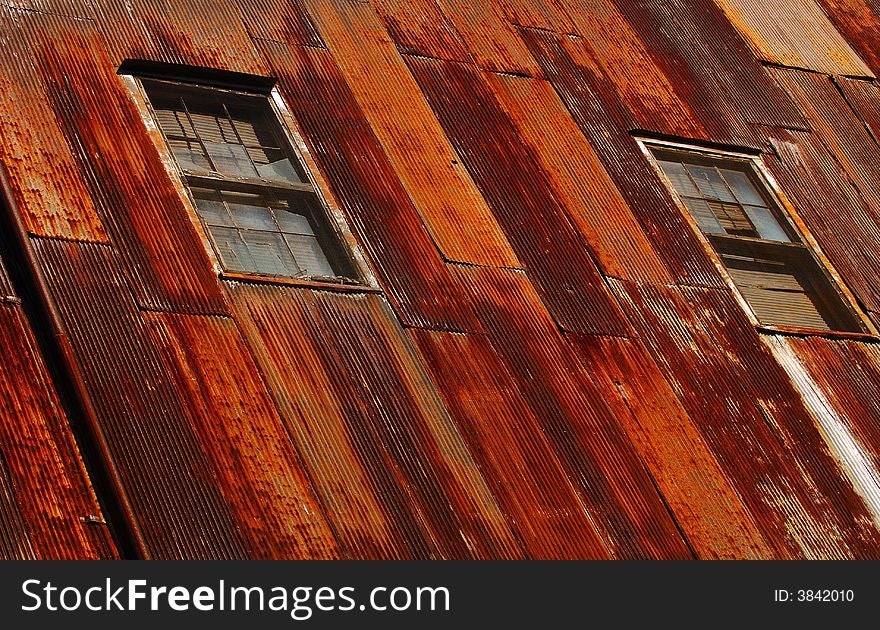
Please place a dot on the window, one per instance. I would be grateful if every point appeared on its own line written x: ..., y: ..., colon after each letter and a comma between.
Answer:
x: 253, y: 196
x: 773, y: 269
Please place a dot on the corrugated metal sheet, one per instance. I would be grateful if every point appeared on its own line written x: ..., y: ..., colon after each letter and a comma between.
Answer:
x: 142, y: 414
x: 794, y: 33
x: 859, y: 22
x: 754, y: 421
x: 6, y: 290
x: 592, y: 202
x: 50, y: 190
x: 163, y: 257
x: 46, y: 492
x: 704, y: 501
x: 546, y: 14
x: 407, y: 262
x: 257, y: 467
x: 207, y: 33
x: 419, y: 27
x: 515, y: 188
x: 542, y: 506
x: 285, y: 21
x: 389, y: 464
x: 600, y: 117
x: 585, y: 435
x: 451, y: 207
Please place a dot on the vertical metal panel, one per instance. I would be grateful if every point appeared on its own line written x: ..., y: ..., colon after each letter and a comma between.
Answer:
x: 592, y: 202
x: 831, y: 208
x: 585, y: 434
x: 208, y: 33
x: 163, y: 257
x: 794, y: 33
x: 491, y: 40
x: 755, y: 422
x: 6, y: 290
x: 600, y: 117
x: 257, y: 466
x: 451, y: 207
x: 346, y: 149
x: 515, y: 188
x: 542, y: 506
x: 15, y: 543
x: 166, y: 475
x: 619, y: 66
x: 700, y: 51
x: 50, y: 191
x: 285, y: 21
x: 546, y: 14
x: 372, y: 429
x: 705, y: 503
x: 859, y: 22
x: 419, y: 27
x: 47, y: 492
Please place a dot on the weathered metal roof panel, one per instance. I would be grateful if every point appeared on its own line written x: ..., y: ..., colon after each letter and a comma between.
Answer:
x: 513, y: 185
x: 859, y: 22
x: 794, y: 33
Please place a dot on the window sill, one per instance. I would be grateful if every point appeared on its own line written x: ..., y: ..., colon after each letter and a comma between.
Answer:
x: 337, y: 287
x: 817, y: 332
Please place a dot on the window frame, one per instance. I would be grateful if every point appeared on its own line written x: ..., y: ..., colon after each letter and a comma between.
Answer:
x: 333, y: 220
x: 770, y: 190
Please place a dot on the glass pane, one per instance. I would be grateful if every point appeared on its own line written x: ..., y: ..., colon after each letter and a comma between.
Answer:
x: 766, y: 224
x: 211, y: 123
x: 273, y: 164
x: 231, y: 159
x: 250, y: 211
x: 174, y: 122
x: 254, y: 121
x: 742, y: 187
x: 211, y: 209
x: 710, y: 183
x: 704, y: 216
x: 679, y: 178
x: 732, y: 218
x: 234, y: 254
x: 270, y: 253
x: 293, y: 223
x: 309, y: 255
x: 189, y: 154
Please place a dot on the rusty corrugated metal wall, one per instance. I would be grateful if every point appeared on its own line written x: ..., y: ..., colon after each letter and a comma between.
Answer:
x: 550, y: 363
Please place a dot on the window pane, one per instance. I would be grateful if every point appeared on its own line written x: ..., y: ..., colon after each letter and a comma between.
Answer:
x: 231, y: 159
x: 270, y: 253
x: 309, y: 255
x: 766, y: 224
x: 293, y: 223
x: 742, y: 187
x: 709, y: 182
x: 174, y: 122
x: 189, y: 154
x: 233, y: 252
x: 679, y: 178
x: 250, y: 211
x: 272, y: 164
x: 211, y: 208
x: 704, y: 216
x: 732, y: 218
x: 211, y: 123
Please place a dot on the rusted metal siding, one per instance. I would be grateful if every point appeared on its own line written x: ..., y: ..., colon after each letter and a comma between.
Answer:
x: 542, y: 505
x: 516, y: 189
x: 419, y: 27
x: 396, y: 241
x: 391, y: 467
x: 45, y: 492
x: 451, y: 207
x: 128, y: 183
x: 585, y: 435
x: 243, y: 434
x: 705, y: 502
x: 50, y: 190
x: 592, y: 202
x: 754, y: 421
x: 148, y: 430
x: 601, y: 117
x: 285, y: 21
x: 859, y: 22
x: 794, y: 33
